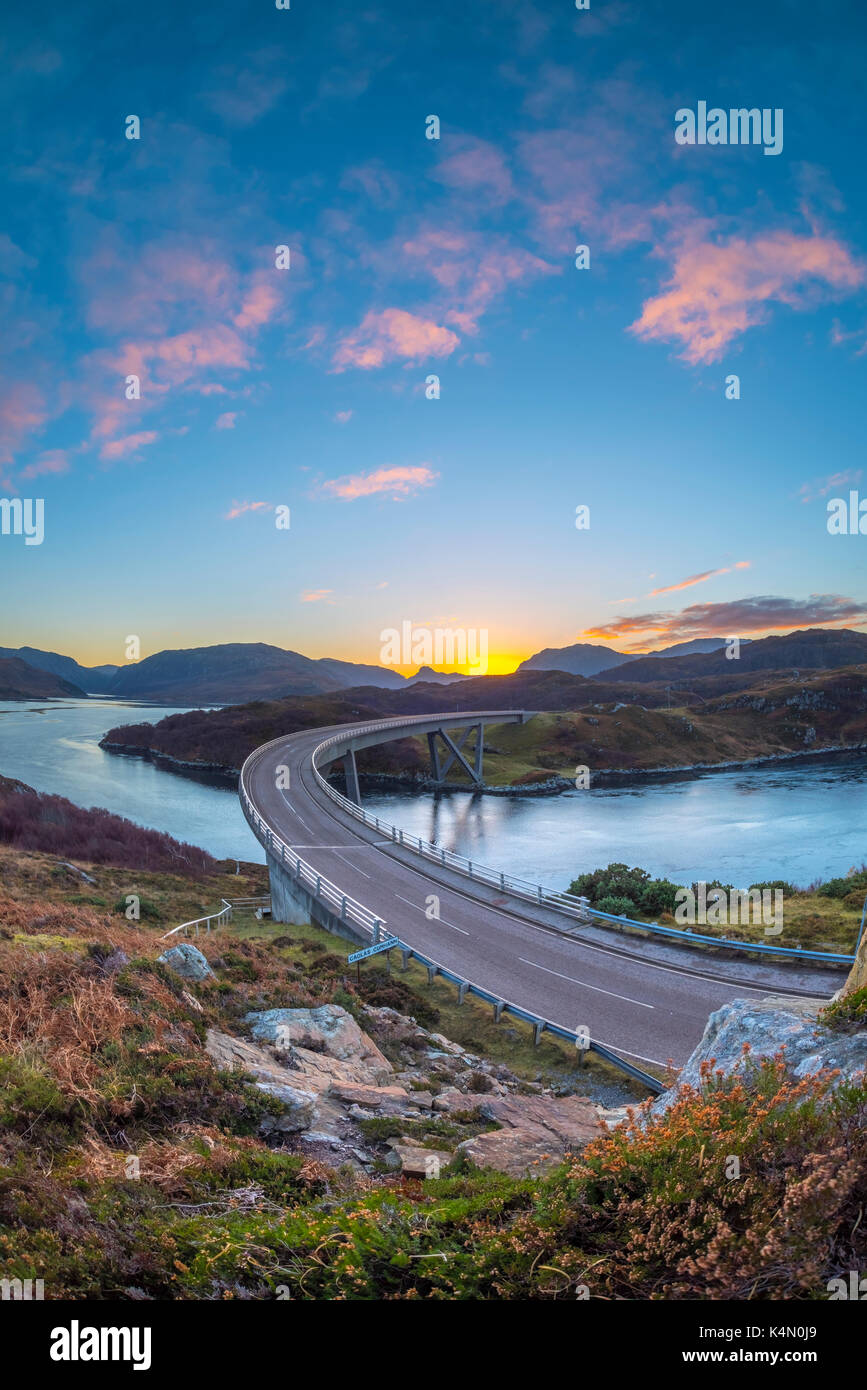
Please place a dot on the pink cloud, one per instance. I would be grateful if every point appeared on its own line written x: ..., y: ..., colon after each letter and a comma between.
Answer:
x: 397, y: 482
x: 343, y: 417
x: 758, y: 614
x: 239, y: 508
x: 473, y: 271
x: 474, y: 166
x: 258, y: 305
x: 226, y: 421
x: 699, y: 578
x: 129, y: 444
x: 52, y: 461
x: 717, y: 292
x: 391, y: 335
x: 22, y: 411
x: 315, y: 595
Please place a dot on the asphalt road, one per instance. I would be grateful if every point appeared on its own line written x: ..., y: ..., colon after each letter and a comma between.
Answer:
x: 649, y: 1003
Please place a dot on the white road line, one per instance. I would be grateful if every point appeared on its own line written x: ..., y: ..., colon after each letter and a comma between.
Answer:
x: 359, y: 846
x: 625, y: 997
x: 441, y: 920
x: 349, y: 864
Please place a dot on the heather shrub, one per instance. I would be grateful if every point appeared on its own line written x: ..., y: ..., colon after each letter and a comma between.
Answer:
x: 31, y: 820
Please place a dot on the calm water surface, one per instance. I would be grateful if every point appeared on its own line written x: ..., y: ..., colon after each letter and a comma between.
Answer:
x: 798, y: 822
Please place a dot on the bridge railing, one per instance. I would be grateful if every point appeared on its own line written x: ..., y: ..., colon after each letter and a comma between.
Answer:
x: 349, y: 910
x: 567, y: 903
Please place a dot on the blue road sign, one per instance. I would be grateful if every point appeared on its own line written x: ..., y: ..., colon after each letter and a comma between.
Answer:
x: 374, y: 950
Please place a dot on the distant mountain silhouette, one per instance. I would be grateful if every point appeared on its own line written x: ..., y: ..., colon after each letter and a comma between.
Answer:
x: 815, y: 648
x: 581, y: 659
x: 354, y: 673
x: 588, y: 658
x: 93, y: 679
x: 228, y: 673
x: 426, y: 675
x: 20, y: 681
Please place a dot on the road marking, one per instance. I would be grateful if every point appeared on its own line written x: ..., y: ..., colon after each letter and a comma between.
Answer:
x: 583, y: 983
x: 373, y: 845
x: 349, y: 864
x: 441, y: 920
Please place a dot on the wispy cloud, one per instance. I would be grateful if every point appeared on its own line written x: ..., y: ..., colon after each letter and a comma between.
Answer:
x: 128, y: 444
x: 239, y: 508
x: 809, y: 492
x: 316, y: 596
x: 226, y: 421
x: 699, y: 578
x: 397, y: 483
x: 52, y: 461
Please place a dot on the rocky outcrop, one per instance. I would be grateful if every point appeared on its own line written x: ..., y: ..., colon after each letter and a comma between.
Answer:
x: 234, y: 1054
x: 770, y: 1026
x: 328, y: 1030
x: 330, y: 1078
x: 188, y: 962
x: 536, y: 1132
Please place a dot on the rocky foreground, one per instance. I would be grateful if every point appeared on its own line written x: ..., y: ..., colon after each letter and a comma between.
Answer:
x: 331, y: 1079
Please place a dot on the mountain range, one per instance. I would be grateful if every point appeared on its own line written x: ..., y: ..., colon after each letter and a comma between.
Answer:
x: 237, y: 672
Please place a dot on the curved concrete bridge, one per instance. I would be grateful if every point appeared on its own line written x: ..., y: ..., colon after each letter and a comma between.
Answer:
x: 519, y: 946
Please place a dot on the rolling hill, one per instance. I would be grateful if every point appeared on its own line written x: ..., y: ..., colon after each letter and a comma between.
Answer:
x: 20, y: 681
x: 92, y: 679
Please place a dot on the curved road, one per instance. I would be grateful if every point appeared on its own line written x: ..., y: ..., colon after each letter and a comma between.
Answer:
x: 649, y: 1002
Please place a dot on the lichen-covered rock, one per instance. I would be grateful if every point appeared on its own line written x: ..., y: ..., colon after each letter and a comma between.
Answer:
x: 188, y: 962
x: 299, y: 1109
x: 769, y: 1026
x: 299, y: 1104
x: 327, y: 1029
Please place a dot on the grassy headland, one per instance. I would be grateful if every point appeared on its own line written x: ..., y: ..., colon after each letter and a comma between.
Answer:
x: 602, y: 727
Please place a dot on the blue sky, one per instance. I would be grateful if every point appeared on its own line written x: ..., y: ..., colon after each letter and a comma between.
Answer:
x: 306, y: 387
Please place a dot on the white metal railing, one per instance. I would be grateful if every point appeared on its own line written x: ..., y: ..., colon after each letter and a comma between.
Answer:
x: 576, y: 907
x: 219, y: 919
x: 347, y: 908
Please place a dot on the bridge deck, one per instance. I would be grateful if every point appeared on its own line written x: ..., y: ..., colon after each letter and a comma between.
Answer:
x: 646, y: 1000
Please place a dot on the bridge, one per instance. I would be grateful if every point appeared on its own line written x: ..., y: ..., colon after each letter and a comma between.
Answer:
x: 539, y: 955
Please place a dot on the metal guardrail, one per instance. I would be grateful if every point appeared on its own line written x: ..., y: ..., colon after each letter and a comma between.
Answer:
x: 352, y: 912
x: 218, y: 918
x: 567, y: 903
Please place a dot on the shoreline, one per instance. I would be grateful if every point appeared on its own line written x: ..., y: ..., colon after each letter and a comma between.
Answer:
x: 551, y: 786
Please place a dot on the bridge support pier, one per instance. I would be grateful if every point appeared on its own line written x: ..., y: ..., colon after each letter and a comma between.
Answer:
x: 353, y: 791
x: 440, y: 769
x: 292, y: 903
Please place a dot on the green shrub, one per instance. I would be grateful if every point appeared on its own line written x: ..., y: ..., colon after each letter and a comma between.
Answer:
x: 618, y: 907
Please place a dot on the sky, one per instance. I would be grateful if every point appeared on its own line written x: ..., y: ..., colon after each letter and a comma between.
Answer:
x: 308, y: 386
